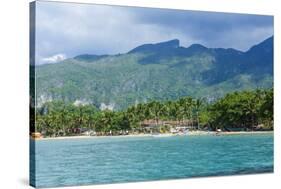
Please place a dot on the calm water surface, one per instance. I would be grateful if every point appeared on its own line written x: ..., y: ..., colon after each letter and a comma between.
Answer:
x: 113, y: 160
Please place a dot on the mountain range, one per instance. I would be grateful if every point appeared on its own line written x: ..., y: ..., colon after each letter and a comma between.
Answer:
x: 158, y: 71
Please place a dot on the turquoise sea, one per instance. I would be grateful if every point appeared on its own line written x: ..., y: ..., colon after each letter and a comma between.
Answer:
x: 127, y: 159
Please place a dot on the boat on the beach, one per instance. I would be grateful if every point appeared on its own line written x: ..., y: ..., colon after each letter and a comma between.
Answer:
x: 162, y: 135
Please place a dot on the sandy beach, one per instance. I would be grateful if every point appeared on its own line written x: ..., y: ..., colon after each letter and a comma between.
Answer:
x: 190, y: 133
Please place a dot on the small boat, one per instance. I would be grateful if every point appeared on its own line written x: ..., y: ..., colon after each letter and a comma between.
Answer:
x: 181, y: 134
x: 162, y: 135
x: 218, y: 132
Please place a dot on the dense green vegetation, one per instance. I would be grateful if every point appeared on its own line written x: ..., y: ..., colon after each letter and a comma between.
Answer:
x: 163, y: 71
x: 247, y: 110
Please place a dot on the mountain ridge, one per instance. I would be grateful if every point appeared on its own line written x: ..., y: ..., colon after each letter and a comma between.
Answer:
x: 158, y: 71
x: 173, y: 43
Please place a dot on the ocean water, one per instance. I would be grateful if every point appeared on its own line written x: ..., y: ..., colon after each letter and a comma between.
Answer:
x: 127, y: 159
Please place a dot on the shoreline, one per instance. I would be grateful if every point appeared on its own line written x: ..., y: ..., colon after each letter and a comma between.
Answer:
x: 190, y: 133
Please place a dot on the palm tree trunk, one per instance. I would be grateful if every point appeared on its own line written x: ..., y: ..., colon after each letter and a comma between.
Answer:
x: 198, y: 125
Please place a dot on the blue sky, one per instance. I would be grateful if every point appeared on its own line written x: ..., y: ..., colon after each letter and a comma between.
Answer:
x: 64, y: 30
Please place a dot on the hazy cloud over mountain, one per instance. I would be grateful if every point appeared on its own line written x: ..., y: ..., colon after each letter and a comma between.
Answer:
x: 67, y: 29
x: 53, y: 59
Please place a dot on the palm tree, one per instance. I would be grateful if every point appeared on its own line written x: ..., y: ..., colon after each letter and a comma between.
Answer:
x: 178, y: 111
x: 133, y: 117
x: 157, y: 110
x: 197, y: 106
x: 186, y: 106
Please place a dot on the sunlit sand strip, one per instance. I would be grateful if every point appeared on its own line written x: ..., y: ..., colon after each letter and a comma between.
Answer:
x: 190, y: 133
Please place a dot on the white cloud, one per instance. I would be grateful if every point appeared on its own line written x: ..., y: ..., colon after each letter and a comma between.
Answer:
x: 75, y: 29
x: 53, y: 59
x: 96, y: 29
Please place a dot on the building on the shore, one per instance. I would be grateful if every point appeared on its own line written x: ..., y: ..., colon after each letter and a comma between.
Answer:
x: 160, y: 126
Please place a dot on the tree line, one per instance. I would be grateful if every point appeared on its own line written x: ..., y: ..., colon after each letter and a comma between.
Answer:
x: 248, y: 110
